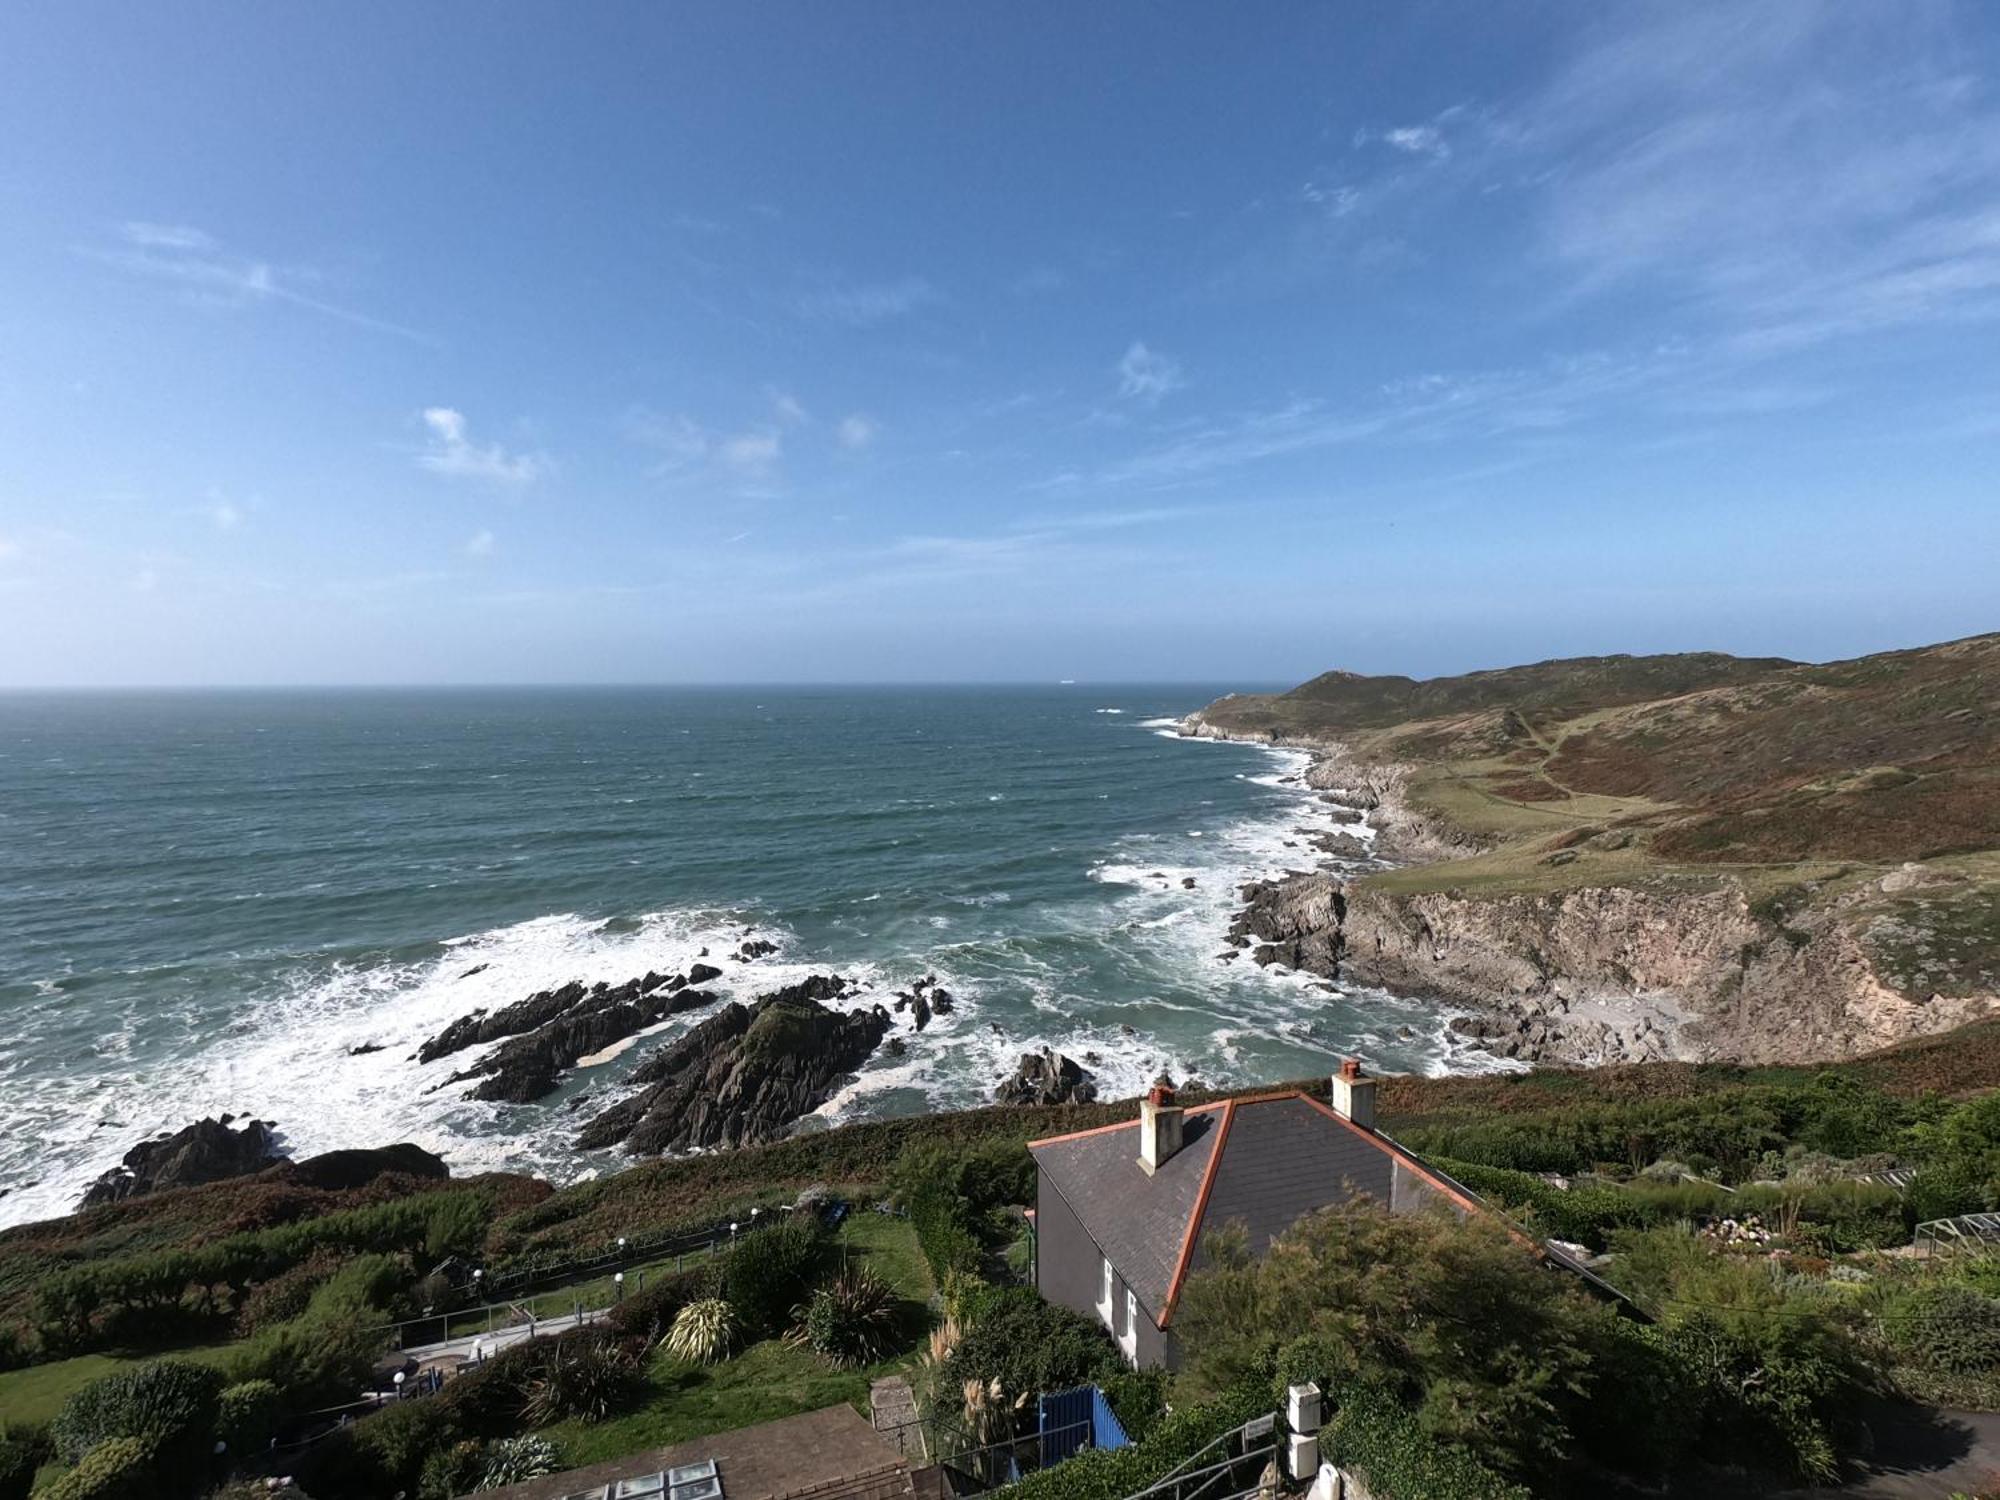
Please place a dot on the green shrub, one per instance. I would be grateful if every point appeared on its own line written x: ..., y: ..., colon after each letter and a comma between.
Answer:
x: 511, y: 1460
x: 767, y: 1271
x: 325, y: 1352
x: 1401, y: 1459
x: 851, y: 1320
x: 1029, y: 1346
x: 116, y: 1469
x: 453, y: 1471
x: 1841, y: 1216
x: 248, y: 1415
x: 1950, y: 1328
x: 703, y: 1332
x: 645, y: 1316
x: 18, y: 1462
x: 396, y: 1442
x: 1587, y: 1215
x: 587, y: 1375
x: 171, y: 1403
x: 1138, y: 1398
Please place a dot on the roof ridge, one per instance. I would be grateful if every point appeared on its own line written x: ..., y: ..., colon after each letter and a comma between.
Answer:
x: 1200, y: 1208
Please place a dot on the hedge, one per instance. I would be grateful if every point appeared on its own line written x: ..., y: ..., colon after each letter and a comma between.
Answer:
x: 98, y: 1305
x: 1372, y: 1432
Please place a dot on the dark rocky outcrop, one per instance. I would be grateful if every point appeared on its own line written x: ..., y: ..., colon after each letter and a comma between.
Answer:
x: 703, y: 973
x: 1294, y: 921
x: 754, y: 948
x: 338, y: 1171
x: 1048, y: 1077
x: 524, y: 1068
x: 523, y: 1015
x: 745, y: 1074
x: 206, y: 1151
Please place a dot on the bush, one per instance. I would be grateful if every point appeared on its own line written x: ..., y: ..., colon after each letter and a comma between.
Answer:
x: 453, y: 1471
x: 586, y: 1375
x: 396, y: 1442
x: 1952, y: 1329
x: 1842, y: 1216
x: 1138, y: 1399
x: 768, y: 1271
x: 703, y: 1332
x: 248, y: 1416
x: 18, y: 1462
x: 486, y: 1400
x: 1029, y: 1346
x: 325, y: 1352
x: 512, y: 1460
x: 1400, y: 1458
x: 115, y: 1469
x: 171, y: 1403
x: 644, y: 1317
x: 849, y: 1321
x: 286, y: 1295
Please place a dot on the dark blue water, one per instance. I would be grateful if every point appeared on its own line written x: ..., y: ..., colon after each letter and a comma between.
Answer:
x: 207, y: 899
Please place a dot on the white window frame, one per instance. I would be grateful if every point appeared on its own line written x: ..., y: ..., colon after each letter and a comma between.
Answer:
x: 1128, y: 1341
x: 1107, y: 1303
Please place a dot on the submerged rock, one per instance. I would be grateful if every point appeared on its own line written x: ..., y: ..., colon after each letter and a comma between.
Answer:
x: 743, y: 1075
x: 206, y: 1151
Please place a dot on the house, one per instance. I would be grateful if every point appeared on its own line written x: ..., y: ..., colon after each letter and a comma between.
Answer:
x: 1121, y: 1212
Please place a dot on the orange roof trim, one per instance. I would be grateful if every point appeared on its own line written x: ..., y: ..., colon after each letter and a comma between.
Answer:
x: 1200, y: 1208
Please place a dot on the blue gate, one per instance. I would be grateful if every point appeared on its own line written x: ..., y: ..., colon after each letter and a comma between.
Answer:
x: 1071, y: 1421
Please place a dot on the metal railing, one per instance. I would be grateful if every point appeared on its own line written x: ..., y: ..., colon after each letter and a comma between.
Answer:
x: 991, y: 1465
x: 1228, y: 1468
x: 1977, y: 1233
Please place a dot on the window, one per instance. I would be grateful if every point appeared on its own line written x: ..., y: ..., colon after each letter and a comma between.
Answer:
x: 1104, y: 1289
x: 1131, y: 1314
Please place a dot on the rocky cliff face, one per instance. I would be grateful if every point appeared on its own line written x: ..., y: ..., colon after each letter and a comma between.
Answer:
x: 1593, y: 973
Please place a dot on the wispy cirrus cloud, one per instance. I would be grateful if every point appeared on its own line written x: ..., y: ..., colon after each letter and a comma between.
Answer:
x: 750, y: 461
x: 1146, y: 375
x: 452, y: 453
x: 863, y: 304
x: 856, y: 432
x: 208, y: 274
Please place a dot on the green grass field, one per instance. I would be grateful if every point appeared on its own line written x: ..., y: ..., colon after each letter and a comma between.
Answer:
x: 768, y: 1380
x: 37, y: 1393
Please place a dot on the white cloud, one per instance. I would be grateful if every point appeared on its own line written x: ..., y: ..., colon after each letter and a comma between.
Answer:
x: 865, y: 304
x: 222, y: 514
x: 451, y: 452
x: 166, y: 236
x: 856, y: 431
x: 752, y: 456
x: 1418, y: 140
x: 787, y: 408
x: 209, y: 275
x: 481, y: 544
x: 1146, y: 376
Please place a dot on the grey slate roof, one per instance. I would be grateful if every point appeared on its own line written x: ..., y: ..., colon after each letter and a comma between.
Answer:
x: 1282, y: 1157
x: 1138, y: 1221
x: 1282, y: 1160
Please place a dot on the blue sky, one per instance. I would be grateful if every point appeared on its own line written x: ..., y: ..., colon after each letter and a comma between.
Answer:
x: 410, y: 343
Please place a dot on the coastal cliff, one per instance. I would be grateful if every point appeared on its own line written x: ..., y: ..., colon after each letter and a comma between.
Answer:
x: 1570, y: 923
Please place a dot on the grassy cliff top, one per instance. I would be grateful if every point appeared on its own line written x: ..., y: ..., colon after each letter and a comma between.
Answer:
x: 1691, y: 760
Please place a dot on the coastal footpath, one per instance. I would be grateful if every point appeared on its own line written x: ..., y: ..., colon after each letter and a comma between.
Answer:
x: 1652, y: 858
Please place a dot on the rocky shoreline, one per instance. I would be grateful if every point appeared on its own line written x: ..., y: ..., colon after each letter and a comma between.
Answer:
x: 1586, y: 975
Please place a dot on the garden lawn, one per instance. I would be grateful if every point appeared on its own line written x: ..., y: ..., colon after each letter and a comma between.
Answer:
x: 768, y: 1380
x: 37, y: 1393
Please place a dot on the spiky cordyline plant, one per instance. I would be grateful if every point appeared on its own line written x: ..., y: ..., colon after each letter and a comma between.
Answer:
x: 702, y: 1331
x: 851, y: 1320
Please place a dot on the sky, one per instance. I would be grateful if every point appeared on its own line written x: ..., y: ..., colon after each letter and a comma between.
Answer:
x: 410, y: 343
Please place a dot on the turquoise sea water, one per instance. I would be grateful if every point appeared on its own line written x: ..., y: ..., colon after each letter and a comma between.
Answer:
x: 208, y: 899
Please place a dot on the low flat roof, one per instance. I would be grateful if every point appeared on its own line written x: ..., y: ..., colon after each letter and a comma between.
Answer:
x: 830, y: 1454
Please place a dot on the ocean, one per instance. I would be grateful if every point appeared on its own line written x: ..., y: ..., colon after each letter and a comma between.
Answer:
x: 210, y: 900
